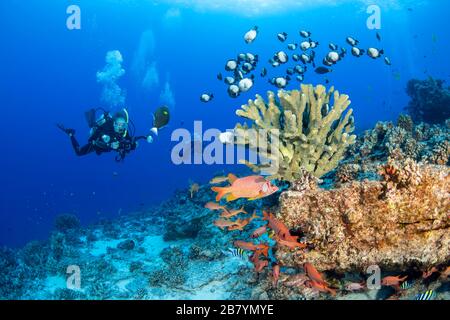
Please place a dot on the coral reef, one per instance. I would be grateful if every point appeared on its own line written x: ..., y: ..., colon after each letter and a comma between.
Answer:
x: 194, y: 267
x: 126, y: 245
x: 386, y: 203
x: 347, y: 172
x: 69, y: 225
x: 128, y: 258
x: 66, y: 222
x: 313, y: 133
x: 397, y: 223
x: 13, y: 276
x: 430, y: 100
x: 422, y: 143
x: 172, y: 273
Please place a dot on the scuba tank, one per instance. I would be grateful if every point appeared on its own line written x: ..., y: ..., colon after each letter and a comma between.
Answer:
x: 91, y: 119
x: 94, y: 122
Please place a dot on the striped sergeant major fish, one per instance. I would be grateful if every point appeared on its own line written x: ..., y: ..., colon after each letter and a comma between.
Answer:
x: 406, y: 285
x: 236, y: 252
x: 428, y: 295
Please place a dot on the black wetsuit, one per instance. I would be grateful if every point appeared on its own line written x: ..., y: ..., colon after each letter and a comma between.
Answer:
x: 98, y: 145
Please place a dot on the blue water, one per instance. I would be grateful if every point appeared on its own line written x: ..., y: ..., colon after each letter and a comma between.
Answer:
x: 48, y: 75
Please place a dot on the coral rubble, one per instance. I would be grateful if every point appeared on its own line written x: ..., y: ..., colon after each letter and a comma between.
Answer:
x: 313, y: 133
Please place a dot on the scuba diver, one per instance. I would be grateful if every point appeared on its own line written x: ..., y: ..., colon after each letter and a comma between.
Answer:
x: 112, y: 133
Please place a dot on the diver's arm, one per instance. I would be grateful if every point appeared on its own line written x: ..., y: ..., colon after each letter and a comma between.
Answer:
x: 140, y: 138
x: 149, y: 137
x: 134, y: 142
x: 96, y: 132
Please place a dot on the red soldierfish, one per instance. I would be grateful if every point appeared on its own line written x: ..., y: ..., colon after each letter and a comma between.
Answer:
x: 223, y: 223
x: 428, y: 273
x: 312, y: 273
x: 260, y: 265
x: 258, y: 248
x: 259, y: 232
x: 279, y: 227
x: 393, y: 281
x: 275, y: 274
x: 215, y: 206
x: 322, y: 287
x: 355, y: 286
x: 251, y: 188
x: 290, y: 244
x: 232, y: 213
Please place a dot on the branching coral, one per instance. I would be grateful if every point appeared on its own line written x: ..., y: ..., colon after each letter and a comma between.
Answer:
x: 312, y: 134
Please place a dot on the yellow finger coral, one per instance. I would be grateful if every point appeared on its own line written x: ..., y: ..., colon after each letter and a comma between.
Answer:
x: 309, y: 132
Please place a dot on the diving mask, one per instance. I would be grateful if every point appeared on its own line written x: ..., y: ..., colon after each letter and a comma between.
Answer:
x: 120, y: 125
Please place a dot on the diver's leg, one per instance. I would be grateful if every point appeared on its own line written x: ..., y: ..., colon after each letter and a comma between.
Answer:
x: 81, y: 151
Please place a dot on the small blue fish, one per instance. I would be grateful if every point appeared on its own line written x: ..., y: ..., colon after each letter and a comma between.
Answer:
x: 428, y: 295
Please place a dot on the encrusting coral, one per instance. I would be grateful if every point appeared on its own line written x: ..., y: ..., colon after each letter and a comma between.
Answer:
x: 312, y: 134
x: 424, y: 143
x: 399, y: 222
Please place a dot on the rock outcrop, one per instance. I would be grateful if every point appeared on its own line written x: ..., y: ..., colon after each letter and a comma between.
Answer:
x: 399, y: 223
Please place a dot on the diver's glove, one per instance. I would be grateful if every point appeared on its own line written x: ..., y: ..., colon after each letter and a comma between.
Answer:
x: 115, y: 145
x: 154, y: 131
x: 69, y: 132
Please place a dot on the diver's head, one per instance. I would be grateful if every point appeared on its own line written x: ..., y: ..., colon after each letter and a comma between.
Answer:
x: 120, y: 122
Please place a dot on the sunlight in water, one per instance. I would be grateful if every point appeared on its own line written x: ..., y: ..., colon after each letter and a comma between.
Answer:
x: 267, y: 7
